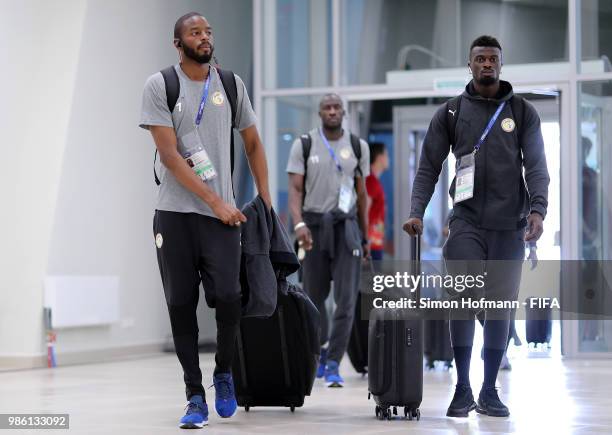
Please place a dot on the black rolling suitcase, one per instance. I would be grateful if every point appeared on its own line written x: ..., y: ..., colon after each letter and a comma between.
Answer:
x: 276, y: 358
x: 395, y: 356
x: 437, y: 343
x: 358, y: 342
x: 538, y: 324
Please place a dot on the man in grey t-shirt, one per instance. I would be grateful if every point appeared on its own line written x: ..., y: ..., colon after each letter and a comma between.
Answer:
x: 327, y: 201
x: 196, y: 222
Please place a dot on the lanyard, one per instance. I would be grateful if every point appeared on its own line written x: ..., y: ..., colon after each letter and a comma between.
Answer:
x: 489, y: 126
x: 331, y: 151
x: 203, y: 101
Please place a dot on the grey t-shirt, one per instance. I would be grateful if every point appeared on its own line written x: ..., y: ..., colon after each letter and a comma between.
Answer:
x: 323, y: 179
x: 214, y: 133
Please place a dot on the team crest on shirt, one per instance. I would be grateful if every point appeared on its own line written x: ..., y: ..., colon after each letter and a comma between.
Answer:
x: 217, y: 98
x: 159, y: 240
x: 508, y: 125
x: 345, y: 153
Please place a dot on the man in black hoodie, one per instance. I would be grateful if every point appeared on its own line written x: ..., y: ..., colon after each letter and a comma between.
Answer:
x: 494, y: 136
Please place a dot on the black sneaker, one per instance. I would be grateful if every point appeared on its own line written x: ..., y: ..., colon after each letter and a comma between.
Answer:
x: 489, y: 404
x: 462, y: 403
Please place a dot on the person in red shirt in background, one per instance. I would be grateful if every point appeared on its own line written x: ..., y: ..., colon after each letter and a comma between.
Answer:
x: 379, y: 162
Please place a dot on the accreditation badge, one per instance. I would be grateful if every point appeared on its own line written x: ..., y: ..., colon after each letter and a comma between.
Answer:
x: 196, y: 156
x: 346, y: 196
x: 201, y: 165
x: 464, y: 182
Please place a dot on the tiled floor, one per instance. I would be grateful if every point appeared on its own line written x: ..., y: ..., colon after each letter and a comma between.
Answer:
x: 545, y: 396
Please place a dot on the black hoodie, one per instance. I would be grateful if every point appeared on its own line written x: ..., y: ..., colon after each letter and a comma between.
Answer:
x: 501, y: 200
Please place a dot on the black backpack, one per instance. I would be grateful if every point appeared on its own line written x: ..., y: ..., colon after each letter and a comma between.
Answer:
x: 453, y: 106
x: 307, y: 145
x: 173, y: 90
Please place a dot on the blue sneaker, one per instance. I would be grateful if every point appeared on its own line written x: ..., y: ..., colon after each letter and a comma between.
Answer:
x: 322, y: 362
x: 196, y: 414
x: 332, y: 377
x: 225, y: 399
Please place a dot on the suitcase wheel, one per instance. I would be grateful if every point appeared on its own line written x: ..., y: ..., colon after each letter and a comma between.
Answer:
x: 387, y: 414
x: 292, y: 409
x: 247, y: 408
x: 383, y: 414
x: 412, y: 413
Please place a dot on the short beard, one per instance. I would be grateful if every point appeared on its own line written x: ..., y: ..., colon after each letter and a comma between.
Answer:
x: 199, y: 58
x: 486, y: 81
x: 330, y: 127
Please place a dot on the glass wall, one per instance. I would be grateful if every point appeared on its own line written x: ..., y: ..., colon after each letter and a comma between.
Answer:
x: 596, y: 35
x: 596, y: 145
x: 596, y: 210
x: 297, y: 43
x: 310, y: 47
x: 293, y: 116
x: 380, y: 36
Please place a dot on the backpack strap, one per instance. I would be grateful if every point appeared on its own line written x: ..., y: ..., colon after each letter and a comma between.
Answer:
x: 173, y: 86
x: 228, y: 80
x: 173, y: 90
x: 452, y: 114
x: 306, y: 146
x: 453, y: 106
x: 356, y: 145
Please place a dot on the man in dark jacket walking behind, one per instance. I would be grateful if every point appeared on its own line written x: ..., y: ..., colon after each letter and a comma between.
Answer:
x: 494, y: 136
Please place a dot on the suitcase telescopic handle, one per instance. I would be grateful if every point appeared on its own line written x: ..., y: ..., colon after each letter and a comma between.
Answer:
x: 415, y: 251
x: 415, y: 256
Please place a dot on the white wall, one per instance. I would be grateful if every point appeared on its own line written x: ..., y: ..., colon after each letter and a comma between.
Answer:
x: 87, y: 207
x: 39, y: 47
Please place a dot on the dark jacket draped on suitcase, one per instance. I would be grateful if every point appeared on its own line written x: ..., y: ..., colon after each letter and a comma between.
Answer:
x: 277, y: 347
x: 267, y: 259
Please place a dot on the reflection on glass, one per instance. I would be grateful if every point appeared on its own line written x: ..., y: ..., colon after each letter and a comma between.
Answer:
x: 596, y: 211
x: 296, y: 43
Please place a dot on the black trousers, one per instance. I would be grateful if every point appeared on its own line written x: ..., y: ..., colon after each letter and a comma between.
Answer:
x: 344, y: 270
x: 193, y: 248
x: 470, y: 250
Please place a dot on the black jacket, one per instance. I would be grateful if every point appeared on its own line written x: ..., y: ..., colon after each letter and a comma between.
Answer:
x: 501, y: 200
x: 267, y: 259
x: 328, y: 224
